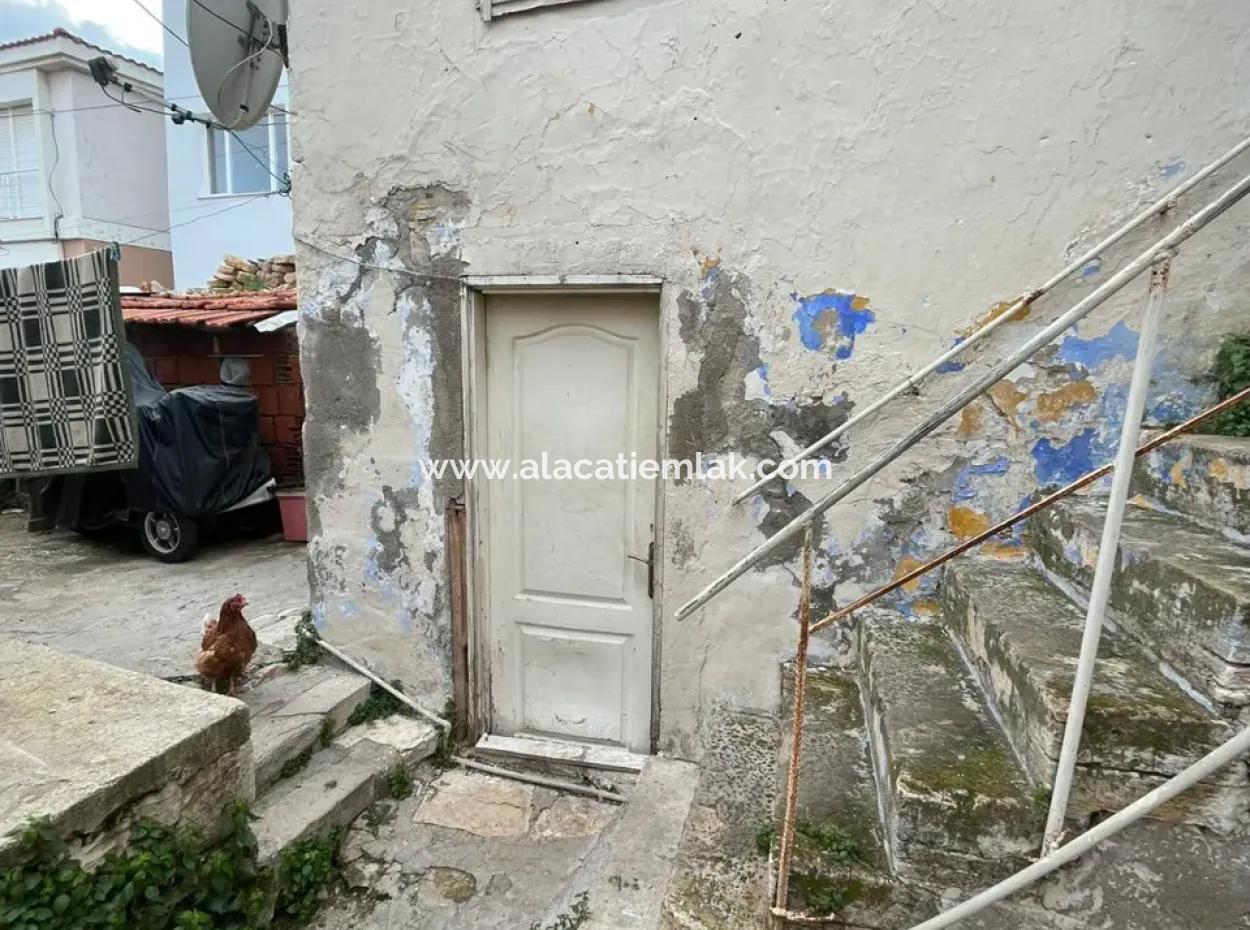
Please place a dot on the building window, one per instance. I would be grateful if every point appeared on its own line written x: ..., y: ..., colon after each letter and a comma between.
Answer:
x: 21, y: 192
x: 493, y: 9
x: 250, y: 161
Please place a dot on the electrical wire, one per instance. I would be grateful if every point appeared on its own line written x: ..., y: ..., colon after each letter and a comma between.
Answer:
x: 56, y: 160
x: 239, y: 29
x: 371, y: 265
x: 160, y: 22
x: 196, y: 219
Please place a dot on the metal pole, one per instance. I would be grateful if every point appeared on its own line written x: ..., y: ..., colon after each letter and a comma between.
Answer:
x: 912, y: 381
x: 444, y: 725
x: 1108, y: 548
x: 786, y: 846
x: 1204, y: 767
x: 1054, y: 497
x: 958, y: 401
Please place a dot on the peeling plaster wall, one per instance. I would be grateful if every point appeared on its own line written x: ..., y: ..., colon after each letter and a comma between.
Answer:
x: 830, y: 196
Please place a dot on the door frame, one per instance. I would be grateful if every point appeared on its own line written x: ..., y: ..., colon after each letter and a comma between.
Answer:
x: 474, y: 289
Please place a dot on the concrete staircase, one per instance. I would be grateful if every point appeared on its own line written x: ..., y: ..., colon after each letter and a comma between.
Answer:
x: 926, y: 775
x: 313, y: 770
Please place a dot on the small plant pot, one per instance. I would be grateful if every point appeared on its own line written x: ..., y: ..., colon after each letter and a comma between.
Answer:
x: 294, y: 510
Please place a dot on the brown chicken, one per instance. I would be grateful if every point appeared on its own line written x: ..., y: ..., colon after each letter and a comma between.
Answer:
x: 227, y: 647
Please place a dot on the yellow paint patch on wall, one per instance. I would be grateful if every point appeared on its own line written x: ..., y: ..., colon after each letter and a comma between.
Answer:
x: 1219, y: 470
x: 1003, y: 551
x: 907, y: 563
x: 1053, y: 404
x: 965, y: 523
x: 993, y: 313
x: 1177, y: 474
x: 925, y: 607
x: 970, y: 421
x: 1007, y: 398
x: 859, y: 303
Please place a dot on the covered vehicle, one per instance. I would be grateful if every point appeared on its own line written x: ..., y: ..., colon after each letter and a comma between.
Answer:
x: 199, y: 457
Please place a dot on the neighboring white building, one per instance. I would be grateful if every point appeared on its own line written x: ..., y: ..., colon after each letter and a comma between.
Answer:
x: 75, y: 170
x: 221, y: 198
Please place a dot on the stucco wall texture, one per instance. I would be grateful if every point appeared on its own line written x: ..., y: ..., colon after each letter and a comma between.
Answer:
x: 831, y: 194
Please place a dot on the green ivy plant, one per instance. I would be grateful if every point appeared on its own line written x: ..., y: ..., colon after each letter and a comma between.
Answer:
x: 1232, y: 374
x: 166, y: 879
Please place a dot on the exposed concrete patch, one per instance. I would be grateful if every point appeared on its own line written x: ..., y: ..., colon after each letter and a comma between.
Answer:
x: 572, y: 816
x: 450, y: 884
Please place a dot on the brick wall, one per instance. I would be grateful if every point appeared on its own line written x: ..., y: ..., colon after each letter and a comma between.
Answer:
x: 181, y: 356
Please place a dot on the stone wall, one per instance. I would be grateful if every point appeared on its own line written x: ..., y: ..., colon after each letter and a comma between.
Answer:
x: 831, y: 198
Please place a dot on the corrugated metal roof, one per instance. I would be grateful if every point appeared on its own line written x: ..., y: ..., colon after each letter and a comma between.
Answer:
x: 204, y: 310
x: 59, y: 33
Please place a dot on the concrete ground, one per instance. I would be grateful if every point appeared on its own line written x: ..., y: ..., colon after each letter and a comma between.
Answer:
x: 469, y: 850
x: 106, y: 599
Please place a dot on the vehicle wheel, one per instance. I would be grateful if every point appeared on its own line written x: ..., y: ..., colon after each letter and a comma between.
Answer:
x: 169, y: 537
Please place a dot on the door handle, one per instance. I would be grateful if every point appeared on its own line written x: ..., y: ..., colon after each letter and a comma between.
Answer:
x: 649, y: 561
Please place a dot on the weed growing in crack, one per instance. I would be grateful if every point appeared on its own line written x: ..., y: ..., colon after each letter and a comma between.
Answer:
x: 378, y: 705
x: 306, y: 652
x: 399, y: 782
x: 571, y: 919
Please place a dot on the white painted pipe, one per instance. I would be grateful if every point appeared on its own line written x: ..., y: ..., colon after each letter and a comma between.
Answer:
x: 1108, y: 547
x: 444, y: 725
x: 961, y: 399
x: 1208, y: 765
x: 912, y: 381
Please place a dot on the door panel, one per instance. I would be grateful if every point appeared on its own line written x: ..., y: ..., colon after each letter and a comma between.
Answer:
x: 573, y: 378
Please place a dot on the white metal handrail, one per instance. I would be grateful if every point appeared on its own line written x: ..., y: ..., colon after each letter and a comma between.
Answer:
x: 1108, y: 548
x: 959, y: 400
x: 912, y: 381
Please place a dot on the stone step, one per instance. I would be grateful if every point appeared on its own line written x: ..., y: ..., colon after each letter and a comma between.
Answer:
x: 295, y: 711
x: 839, y: 856
x: 1205, y: 477
x: 338, y: 782
x: 721, y: 880
x: 628, y: 893
x: 958, y: 809
x: 1022, y: 636
x: 1179, y: 588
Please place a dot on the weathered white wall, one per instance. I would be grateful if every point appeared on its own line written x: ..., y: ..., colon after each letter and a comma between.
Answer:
x: 210, y: 225
x: 933, y: 160
x: 103, y: 166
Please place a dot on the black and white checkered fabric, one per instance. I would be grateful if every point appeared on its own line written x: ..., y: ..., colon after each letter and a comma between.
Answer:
x: 65, y: 393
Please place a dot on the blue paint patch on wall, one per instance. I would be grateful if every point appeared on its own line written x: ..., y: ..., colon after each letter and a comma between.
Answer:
x: 952, y: 366
x: 1171, y: 169
x: 965, y: 485
x: 762, y: 371
x: 1119, y: 342
x: 1061, y: 464
x: 831, y: 315
x: 1091, y: 268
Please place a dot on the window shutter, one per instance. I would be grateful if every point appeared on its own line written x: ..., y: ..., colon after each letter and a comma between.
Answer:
x: 21, y: 191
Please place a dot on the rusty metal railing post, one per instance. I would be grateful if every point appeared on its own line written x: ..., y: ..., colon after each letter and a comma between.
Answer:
x: 1108, y: 548
x: 786, y: 846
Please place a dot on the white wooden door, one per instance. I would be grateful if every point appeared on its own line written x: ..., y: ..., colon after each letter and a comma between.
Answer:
x: 569, y: 611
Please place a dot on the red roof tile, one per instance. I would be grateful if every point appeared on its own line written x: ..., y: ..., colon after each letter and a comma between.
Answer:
x: 206, y: 310
x: 59, y: 33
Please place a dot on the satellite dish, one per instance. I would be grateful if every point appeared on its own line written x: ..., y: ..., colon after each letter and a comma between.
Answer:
x: 238, y: 50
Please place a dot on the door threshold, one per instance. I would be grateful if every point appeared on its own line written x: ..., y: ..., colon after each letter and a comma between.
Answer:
x: 608, y: 758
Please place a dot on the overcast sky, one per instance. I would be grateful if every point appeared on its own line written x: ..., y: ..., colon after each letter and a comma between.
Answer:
x: 119, y: 25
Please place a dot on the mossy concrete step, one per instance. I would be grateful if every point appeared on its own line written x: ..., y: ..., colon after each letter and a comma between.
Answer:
x: 959, y: 810
x: 839, y: 867
x: 1181, y: 589
x: 338, y: 781
x: 295, y: 710
x: 1204, y: 477
x: 721, y: 879
x: 1023, y: 637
